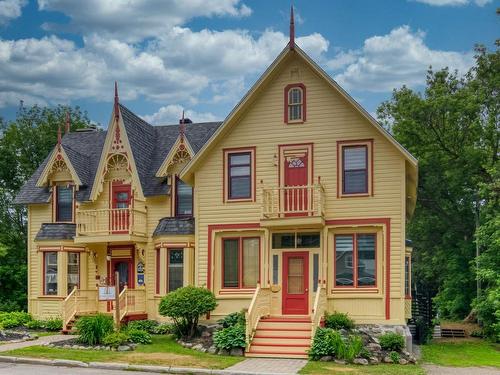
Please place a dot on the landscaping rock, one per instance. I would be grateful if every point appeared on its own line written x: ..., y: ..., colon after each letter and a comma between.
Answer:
x: 198, y: 347
x: 188, y: 345
x: 403, y: 361
x: 212, y: 350
x: 387, y: 359
x: 236, y: 352
x: 224, y: 352
x: 373, y: 347
x: 326, y: 358
x: 340, y: 362
x: 124, y: 348
x: 360, y: 361
x: 374, y: 360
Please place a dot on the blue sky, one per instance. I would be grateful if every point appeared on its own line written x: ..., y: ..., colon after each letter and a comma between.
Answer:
x: 203, y: 55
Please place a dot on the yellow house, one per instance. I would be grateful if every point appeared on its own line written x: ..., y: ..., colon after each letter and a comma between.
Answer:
x: 294, y: 205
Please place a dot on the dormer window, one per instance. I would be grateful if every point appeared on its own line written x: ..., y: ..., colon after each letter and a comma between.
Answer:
x: 64, y: 203
x: 295, y: 103
x: 184, y: 199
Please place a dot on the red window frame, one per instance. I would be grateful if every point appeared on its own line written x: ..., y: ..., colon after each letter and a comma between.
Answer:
x: 354, y: 262
x: 79, y: 272
x: 177, y: 214
x: 157, y: 286
x: 56, y: 203
x: 227, y: 153
x: 304, y: 103
x: 167, y: 275
x: 44, y: 253
x: 241, y: 266
x: 344, y: 148
x: 355, y: 143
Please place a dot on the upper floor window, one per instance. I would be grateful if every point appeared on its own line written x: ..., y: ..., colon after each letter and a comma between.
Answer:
x: 239, y: 176
x: 184, y: 199
x: 50, y: 272
x: 295, y: 103
x: 355, y: 164
x: 64, y: 203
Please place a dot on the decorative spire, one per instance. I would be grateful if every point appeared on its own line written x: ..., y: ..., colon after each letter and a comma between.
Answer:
x: 116, y: 108
x: 182, y: 126
x: 68, y: 124
x: 59, y: 137
x: 292, y: 30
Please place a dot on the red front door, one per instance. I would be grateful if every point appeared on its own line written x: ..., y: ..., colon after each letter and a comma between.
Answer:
x: 295, y: 283
x: 120, y: 215
x: 125, y: 268
x: 296, y: 174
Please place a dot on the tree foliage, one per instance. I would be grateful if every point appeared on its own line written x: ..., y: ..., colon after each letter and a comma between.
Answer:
x: 24, y: 144
x: 453, y: 129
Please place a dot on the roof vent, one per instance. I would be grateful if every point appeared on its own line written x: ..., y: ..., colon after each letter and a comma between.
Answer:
x: 185, y: 121
x: 90, y: 128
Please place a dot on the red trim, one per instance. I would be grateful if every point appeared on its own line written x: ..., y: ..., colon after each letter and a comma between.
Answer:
x: 282, y: 345
x: 366, y: 171
x: 387, y: 223
x: 45, y: 267
x: 130, y: 260
x: 286, y: 329
x: 157, y: 286
x: 225, y: 177
x: 304, y: 103
x: 214, y: 227
x: 177, y: 179
x: 118, y: 187
x: 282, y: 337
x: 55, y: 211
x: 168, y: 264
x: 283, y: 147
x: 241, y: 266
x: 369, y: 164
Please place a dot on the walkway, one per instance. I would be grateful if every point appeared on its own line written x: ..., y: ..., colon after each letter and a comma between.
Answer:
x: 269, y: 366
x: 40, y: 341
x: 444, y: 370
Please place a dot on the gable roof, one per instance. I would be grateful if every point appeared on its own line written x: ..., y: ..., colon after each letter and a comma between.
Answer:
x: 231, y: 119
x: 150, y: 146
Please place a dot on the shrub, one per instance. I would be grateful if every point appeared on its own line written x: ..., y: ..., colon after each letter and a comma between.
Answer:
x: 338, y: 321
x: 53, y: 324
x: 392, y: 341
x: 185, y: 306
x: 230, y: 337
x: 115, y: 339
x: 354, y: 346
x: 139, y: 336
x: 144, y: 325
x: 232, y: 319
x: 164, y: 328
x: 93, y: 329
x: 394, y: 356
x: 326, y: 342
x: 14, y: 319
x: 35, y: 324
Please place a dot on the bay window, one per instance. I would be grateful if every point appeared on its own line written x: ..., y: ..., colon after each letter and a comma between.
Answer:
x: 50, y: 273
x: 73, y: 271
x: 175, y: 269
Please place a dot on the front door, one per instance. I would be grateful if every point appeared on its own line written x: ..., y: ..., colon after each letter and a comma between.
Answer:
x: 125, y: 269
x: 296, y: 174
x: 295, y: 283
x: 120, y: 215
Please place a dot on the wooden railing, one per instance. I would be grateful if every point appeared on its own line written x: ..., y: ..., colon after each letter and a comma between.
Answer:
x: 285, y: 201
x: 79, y: 302
x: 259, y: 307
x: 132, y: 301
x: 111, y: 221
x: 319, y: 308
x: 69, y: 308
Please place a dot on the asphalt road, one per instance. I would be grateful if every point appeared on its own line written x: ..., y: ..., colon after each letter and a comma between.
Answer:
x: 22, y: 369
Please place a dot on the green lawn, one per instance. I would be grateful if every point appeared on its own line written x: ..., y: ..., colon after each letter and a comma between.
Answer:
x: 382, y: 369
x: 462, y: 353
x: 163, y: 351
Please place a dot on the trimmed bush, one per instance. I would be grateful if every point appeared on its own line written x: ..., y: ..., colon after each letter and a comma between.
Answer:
x: 232, y: 319
x: 14, y: 319
x: 230, y: 337
x: 163, y: 329
x: 139, y: 336
x: 338, y: 321
x: 53, y: 324
x: 35, y: 324
x: 144, y: 325
x: 115, y: 339
x: 185, y: 306
x: 93, y: 329
x: 392, y: 341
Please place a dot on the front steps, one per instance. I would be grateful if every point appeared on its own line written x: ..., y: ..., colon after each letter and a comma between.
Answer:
x: 281, y: 336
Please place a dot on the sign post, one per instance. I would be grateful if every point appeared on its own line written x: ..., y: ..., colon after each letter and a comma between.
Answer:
x: 117, y: 299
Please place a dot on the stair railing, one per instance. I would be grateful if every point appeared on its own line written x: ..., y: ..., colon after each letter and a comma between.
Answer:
x: 319, y: 308
x: 259, y: 306
x: 122, y: 301
x: 69, y: 308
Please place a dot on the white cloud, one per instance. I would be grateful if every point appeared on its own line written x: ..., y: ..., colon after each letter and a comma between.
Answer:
x: 10, y: 9
x: 398, y: 58
x: 135, y: 20
x: 454, y: 2
x: 171, y: 114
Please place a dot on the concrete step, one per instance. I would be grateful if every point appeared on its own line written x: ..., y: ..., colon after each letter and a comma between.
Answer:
x: 259, y: 339
x: 305, y: 333
x: 284, y: 325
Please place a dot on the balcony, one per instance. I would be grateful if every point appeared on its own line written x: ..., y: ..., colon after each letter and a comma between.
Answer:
x: 293, y: 205
x: 110, y: 224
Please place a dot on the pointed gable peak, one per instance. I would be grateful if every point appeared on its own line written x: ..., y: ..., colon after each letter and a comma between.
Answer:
x: 291, y: 44
x: 116, y: 104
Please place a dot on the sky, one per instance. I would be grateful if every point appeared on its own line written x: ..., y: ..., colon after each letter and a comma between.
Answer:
x: 202, y: 56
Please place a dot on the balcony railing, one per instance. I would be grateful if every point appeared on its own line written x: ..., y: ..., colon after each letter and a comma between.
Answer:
x: 110, y: 221
x: 290, y: 201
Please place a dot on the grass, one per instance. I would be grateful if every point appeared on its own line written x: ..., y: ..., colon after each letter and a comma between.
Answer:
x: 463, y: 353
x: 164, y: 351
x: 381, y: 369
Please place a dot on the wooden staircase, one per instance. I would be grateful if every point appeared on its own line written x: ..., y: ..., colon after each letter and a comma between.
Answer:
x: 281, y: 336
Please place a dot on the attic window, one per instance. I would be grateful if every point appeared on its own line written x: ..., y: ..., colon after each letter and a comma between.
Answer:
x: 64, y: 203
x: 295, y: 103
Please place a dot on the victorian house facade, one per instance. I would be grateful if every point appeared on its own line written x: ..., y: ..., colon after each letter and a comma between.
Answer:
x: 294, y: 205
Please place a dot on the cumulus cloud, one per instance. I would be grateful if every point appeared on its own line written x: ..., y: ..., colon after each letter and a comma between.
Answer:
x: 136, y: 20
x: 10, y: 9
x: 398, y: 58
x: 454, y: 2
x: 171, y: 114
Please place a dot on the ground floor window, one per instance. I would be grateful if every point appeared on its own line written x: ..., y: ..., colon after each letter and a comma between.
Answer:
x: 73, y: 271
x: 50, y: 272
x: 407, y: 277
x: 175, y: 269
x: 355, y: 260
x: 240, y: 262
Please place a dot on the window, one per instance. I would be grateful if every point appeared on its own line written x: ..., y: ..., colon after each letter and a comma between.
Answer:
x: 407, y: 277
x: 50, y: 272
x: 240, y: 262
x: 294, y: 240
x: 175, y: 269
x: 239, y: 174
x: 295, y: 103
x: 64, y: 203
x: 355, y: 173
x: 184, y: 199
x: 355, y: 260
x: 157, y: 286
x: 73, y: 271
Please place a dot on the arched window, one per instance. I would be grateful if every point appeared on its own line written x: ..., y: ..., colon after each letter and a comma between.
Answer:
x: 295, y: 103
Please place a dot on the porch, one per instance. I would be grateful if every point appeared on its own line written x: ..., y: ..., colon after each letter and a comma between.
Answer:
x: 81, y: 302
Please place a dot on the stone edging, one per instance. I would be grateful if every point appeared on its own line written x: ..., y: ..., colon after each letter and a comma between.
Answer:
x: 123, y: 366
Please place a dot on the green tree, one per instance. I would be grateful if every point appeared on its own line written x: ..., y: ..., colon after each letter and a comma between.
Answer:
x: 24, y: 144
x: 452, y: 128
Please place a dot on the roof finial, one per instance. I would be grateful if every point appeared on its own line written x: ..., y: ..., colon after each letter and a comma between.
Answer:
x: 182, y: 126
x: 59, y: 136
x: 68, y: 124
x: 292, y: 30
x: 116, y: 109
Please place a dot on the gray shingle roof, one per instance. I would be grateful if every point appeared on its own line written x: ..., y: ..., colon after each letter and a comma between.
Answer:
x: 150, y: 146
x: 174, y: 225
x: 56, y: 231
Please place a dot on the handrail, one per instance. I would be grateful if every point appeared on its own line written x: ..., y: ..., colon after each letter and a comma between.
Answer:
x: 259, y: 306
x: 69, y: 308
x: 122, y: 301
x: 306, y: 200
x: 319, y: 308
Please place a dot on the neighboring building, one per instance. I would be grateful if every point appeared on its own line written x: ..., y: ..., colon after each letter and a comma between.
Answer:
x: 294, y: 205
